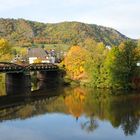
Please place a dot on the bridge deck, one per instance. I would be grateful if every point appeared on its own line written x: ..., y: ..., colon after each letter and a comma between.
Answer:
x: 6, y: 67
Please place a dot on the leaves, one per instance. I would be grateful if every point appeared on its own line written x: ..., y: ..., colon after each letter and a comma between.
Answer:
x: 122, y: 64
x: 104, y: 68
x: 5, y: 50
x: 74, y: 62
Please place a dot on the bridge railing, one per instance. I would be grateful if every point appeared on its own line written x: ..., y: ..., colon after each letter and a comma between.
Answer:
x: 12, y: 67
x: 41, y: 66
x: 7, y: 66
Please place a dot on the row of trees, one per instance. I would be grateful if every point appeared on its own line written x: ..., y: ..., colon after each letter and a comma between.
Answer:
x: 103, y: 67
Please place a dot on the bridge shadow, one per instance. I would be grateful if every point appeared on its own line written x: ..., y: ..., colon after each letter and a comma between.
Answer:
x: 19, y: 89
x: 21, y: 83
x: 48, y: 79
x: 17, y: 83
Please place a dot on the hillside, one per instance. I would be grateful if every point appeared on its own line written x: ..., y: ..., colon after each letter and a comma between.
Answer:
x: 26, y: 32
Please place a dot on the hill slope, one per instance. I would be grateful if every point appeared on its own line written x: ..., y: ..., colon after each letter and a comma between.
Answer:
x: 66, y: 32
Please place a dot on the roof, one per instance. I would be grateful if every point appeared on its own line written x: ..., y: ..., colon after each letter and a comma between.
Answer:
x: 36, y: 52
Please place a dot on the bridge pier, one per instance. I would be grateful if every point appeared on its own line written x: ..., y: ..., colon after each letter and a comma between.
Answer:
x: 17, y: 83
x: 50, y: 79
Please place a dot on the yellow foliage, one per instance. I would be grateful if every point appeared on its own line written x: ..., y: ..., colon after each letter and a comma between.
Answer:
x: 4, y: 46
x: 75, y: 102
x: 5, y: 50
x: 74, y: 61
x: 38, y: 60
x: 3, y: 43
x: 23, y: 51
x: 6, y: 57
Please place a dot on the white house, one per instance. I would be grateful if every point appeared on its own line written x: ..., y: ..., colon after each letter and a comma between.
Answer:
x: 35, y: 53
x: 32, y: 59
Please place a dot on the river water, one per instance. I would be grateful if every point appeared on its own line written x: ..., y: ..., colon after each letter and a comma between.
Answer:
x: 67, y: 113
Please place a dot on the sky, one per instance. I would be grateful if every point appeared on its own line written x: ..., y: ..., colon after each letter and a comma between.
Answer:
x: 122, y: 15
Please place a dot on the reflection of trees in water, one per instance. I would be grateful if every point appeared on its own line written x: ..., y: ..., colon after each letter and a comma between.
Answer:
x: 34, y: 81
x: 2, y: 85
x: 120, y: 110
x: 130, y: 124
x: 90, y: 125
x: 75, y: 102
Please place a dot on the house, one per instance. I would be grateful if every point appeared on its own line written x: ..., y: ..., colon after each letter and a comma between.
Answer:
x: 37, y: 53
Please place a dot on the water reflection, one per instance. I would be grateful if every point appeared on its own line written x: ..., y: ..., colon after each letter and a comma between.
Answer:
x: 96, y: 106
x: 90, y: 125
x: 2, y: 85
x: 120, y: 110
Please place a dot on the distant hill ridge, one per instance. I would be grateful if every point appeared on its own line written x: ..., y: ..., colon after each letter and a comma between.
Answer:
x: 20, y: 30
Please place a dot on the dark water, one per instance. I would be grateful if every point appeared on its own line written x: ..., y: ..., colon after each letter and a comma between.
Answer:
x: 40, y: 112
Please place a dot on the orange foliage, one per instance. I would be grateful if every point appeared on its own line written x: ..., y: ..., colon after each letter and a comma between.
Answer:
x: 74, y: 62
x: 75, y: 102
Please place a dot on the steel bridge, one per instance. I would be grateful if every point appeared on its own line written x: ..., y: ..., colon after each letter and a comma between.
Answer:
x: 7, y: 67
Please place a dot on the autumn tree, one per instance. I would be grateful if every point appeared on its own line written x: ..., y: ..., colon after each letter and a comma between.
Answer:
x: 74, y: 62
x: 5, y: 50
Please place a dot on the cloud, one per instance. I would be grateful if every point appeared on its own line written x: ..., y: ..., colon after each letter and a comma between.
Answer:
x: 10, y: 4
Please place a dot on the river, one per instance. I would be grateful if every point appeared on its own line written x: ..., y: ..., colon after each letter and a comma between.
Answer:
x: 39, y: 112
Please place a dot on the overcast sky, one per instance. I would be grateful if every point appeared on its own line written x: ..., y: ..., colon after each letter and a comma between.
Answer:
x: 123, y: 15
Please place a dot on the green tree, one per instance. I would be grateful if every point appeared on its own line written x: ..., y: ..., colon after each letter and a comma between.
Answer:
x: 139, y: 43
x: 94, y: 61
x: 122, y: 64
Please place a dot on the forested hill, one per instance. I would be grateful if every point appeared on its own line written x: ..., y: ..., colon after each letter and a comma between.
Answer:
x: 25, y: 31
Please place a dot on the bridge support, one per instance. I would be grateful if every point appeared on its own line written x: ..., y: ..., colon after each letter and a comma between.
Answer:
x: 49, y: 79
x: 17, y: 83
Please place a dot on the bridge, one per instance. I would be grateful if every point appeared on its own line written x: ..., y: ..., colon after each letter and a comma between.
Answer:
x: 7, y: 67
